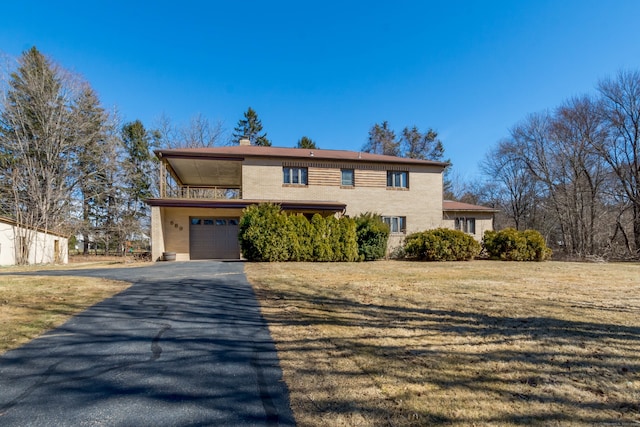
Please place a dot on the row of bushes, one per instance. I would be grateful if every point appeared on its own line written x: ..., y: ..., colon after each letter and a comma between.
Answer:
x: 452, y: 245
x: 269, y: 234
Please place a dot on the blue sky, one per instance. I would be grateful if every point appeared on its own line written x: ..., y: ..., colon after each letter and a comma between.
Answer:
x: 330, y: 70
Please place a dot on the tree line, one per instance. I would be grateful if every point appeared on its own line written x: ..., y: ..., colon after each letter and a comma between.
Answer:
x: 69, y: 165
x: 573, y: 173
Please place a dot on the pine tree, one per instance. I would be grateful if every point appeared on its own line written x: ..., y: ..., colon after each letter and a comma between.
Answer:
x: 94, y: 146
x: 250, y: 127
x: 424, y: 146
x: 382, y: 140
x: 306, y: 142
x: 137, y: 167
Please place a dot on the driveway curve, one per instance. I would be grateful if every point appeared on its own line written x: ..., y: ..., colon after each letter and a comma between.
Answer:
x: 185, y: 345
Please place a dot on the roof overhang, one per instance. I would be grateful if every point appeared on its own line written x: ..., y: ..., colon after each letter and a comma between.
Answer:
x: 452, y: 206
x: 288, y: 205
x: 198, y: 171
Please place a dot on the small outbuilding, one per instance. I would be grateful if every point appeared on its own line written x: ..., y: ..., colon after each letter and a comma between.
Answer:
x: 47, y: 247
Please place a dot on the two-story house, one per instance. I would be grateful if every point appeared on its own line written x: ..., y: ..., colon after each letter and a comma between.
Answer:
x: 204, y: 190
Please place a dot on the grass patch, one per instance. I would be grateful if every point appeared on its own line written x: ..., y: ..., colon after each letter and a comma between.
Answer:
x: 31, y: 305
x: 473, y: 343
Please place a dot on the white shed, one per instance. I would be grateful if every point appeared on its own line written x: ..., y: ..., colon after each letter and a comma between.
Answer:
x: 47, y: 248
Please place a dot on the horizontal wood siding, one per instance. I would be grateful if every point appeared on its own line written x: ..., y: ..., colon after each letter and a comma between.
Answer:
x: 322, y: 176
x: 371, y: 178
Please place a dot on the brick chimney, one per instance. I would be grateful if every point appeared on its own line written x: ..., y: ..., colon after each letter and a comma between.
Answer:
x: 245, y: 141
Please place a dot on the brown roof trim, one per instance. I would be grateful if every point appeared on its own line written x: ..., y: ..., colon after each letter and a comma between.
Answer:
x: 243, y: 203
x: 450, y: 205
x: 15, y: 223
x: 238, y: 152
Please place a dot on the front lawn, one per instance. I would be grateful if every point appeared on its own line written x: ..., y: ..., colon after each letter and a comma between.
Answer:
x: 469, y: 343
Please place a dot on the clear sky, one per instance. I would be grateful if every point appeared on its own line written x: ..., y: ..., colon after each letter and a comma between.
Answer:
x: 331, y: 69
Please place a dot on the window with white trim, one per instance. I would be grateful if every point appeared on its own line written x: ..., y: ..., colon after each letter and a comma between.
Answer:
x: 468, y: 225
x: 397, y: 224
x: 398, y: 179
x: 295, y: 176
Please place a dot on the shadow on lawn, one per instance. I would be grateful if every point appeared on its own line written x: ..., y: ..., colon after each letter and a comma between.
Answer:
x: 558, y: 352
x: 185, y: 345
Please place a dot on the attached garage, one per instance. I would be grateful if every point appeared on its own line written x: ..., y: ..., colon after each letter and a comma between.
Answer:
x: 197, y: 229
x: 213, y: 238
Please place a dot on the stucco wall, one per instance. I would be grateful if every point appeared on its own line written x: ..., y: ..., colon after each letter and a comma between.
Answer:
x: 42, y: 251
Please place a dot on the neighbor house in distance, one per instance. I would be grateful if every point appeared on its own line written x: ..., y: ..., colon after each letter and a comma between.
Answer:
x: 204, y: 190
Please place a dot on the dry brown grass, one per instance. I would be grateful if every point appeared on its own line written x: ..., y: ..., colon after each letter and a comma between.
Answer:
x: 31, y: 305
x: 477, y: 343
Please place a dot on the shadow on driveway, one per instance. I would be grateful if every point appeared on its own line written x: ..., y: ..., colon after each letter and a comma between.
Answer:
x: 184, y: 345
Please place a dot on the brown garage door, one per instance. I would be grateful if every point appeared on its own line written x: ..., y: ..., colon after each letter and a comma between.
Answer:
x: 213, y: 238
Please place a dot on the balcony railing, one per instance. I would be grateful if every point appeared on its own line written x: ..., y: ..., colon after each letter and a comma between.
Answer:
x: 208, y: 193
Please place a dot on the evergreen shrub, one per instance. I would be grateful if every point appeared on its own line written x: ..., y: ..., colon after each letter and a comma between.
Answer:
x: 441, y: 244
x: 268, y: 234
x: 513, y: 245
x: 372, y: 235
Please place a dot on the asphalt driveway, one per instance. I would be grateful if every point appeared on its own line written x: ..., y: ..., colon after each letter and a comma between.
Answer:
x: 184, y: 346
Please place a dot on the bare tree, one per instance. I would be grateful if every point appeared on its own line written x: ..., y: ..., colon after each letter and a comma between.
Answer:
x: 198, y: 133
x: 621, y: 149
x: 36, y: 145
x: 577, y: 127
x: 514, y: 190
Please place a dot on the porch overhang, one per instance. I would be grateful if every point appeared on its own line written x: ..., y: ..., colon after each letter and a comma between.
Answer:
x: 287, y: 205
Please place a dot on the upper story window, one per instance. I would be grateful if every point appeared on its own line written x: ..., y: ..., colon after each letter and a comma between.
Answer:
x: 397, y: 224
x: 348, y: 178
x: 296, y: 176
x: 398, y: 179
x: 468, y: 225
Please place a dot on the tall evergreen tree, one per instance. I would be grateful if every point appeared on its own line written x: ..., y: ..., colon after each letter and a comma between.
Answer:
x: 306, y: 142
x: 250, y: 127
x: 138, y: 174
x: 382, y: 140
x: 94, y: 146
x: 418, y: 145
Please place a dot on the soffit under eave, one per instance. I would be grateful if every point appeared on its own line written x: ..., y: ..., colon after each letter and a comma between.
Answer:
x: 207, y: 172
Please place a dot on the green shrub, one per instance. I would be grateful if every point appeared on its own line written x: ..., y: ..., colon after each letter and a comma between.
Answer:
x: 269, y: 234
x: 536, y: 246
x: 322, y: 250
x: 264, y: 233
x: 301, y: 238
x: 372, y: 235
x: 441, y: 244
x: 348, y: 240
x: 512, y: 245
